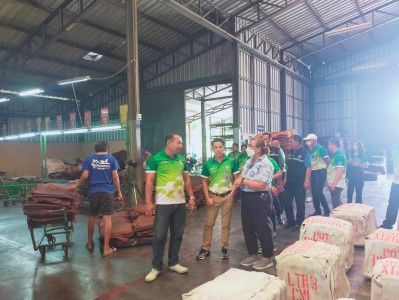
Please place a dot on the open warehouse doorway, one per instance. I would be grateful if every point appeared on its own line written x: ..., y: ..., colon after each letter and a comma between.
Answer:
x: 209, y: 114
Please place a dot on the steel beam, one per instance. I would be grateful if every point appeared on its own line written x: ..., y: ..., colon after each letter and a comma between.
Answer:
x: 341, y: 24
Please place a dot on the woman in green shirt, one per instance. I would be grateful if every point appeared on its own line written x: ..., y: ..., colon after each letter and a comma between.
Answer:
x: 357, y: 160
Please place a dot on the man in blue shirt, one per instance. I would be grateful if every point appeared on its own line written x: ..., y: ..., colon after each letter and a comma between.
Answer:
x: 100, y: 170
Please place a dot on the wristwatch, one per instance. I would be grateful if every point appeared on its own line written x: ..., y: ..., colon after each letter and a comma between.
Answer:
x: 192, y: 198
x: 242, y: 180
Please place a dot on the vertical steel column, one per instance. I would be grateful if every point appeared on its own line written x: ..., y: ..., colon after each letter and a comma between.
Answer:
x: 283, y: 94
x: 203, y: 130
x: 311, y: 109
x: 341, y: 103
x: 268, y: 126
x: 235, y: 88
x: 252, y: 75
x: 133, y: 97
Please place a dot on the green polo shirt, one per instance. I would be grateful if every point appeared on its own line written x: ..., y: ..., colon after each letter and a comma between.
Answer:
x: 169, y: 179
x: 220, y: 174
x: 338, y: 161
x: 275, y: 166
x: 234, y: 155
x: 317, y: 155
x: 242, y: 159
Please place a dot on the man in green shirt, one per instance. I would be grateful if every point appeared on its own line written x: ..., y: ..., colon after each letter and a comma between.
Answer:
x: 336, y: 171
x: 217, y: 181
x: 235, y: 154
x: 319, y: 161
x: 169, y: 171
x: 242, y: 159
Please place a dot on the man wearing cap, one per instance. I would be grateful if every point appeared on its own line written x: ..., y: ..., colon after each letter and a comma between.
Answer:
x: 319, y: 162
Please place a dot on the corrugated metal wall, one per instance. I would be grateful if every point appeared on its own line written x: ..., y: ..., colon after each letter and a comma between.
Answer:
x: 214, y: 62
x: 259, y: 97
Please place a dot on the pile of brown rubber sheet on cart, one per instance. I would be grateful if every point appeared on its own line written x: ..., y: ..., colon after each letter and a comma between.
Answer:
x: 48, y: 203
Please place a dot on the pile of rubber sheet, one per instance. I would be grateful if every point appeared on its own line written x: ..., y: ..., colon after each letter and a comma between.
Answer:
x: 48, y: 203
x: 130, y: 227
x: 198, y: 194
x: 65, y: 168
x: 283, y: 138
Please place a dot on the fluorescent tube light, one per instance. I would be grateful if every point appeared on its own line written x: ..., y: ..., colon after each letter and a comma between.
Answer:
x: 4, y: 99
x: 25, y: 135
x: 1, y: 138
x: 104, y: 128
x: 348, y: 29
x: 53, y: 132
x: 80, y: 130
x: 11, y: 137
x: 73, y: 80
x: 31, y: 92
x: 365, y: 67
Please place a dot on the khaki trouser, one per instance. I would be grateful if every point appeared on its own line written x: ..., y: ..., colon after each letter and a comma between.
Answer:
x: 226, y: 205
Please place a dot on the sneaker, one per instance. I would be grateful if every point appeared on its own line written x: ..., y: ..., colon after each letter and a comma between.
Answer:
x: 203, y: 254
x: 249, y: 261
x: 263, y: 263
x: 152, y: 275
x: 260, y: 250
x: 316, y: 213
x: 326, y: 214
x: 280, y: 220
x: 225, y: 254
x: 178, y: 269
x: 287, y: 226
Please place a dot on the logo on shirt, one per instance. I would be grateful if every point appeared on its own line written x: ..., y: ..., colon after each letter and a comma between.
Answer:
x: 100, y: 164
x: 227, y: 167
x: 164, y: 162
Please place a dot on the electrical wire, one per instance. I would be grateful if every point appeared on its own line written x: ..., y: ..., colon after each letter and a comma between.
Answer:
x: 77, y: 105
x: 113, y: 75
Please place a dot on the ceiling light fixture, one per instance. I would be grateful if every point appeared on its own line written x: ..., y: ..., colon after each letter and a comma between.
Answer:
x: 31, y: 92
x: 79, y: 130
x: 348, y: 29
x: 4, y: 99
x: 11, y: 137
x: 73, y: 80
x: 103, y: 128
x: 53, y: 132
x: 26, y: 135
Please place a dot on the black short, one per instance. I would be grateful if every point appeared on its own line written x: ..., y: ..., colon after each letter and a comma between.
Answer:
x: 101, y: 203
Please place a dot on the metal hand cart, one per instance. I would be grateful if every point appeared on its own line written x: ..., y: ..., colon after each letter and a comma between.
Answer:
x: 15, y: 192
x: 58, y: 226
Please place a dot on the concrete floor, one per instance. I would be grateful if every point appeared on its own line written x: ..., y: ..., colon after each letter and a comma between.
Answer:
x: 85, y: 275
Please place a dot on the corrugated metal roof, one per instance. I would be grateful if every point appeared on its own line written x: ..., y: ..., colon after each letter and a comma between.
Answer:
x: 161, y: 29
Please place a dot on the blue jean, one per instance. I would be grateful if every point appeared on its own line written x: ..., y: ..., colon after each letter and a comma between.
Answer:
x: 167, y: 216
x: 393, y: 207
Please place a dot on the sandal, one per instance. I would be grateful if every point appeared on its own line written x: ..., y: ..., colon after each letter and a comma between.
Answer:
x: 88, y: 248
x: 110, y: 253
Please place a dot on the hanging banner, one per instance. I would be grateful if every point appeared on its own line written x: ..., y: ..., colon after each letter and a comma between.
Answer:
x: 29, y: 125
x: 59, y: 122
x: 261, y: 128
x: 39, y: 124
x: 72, y: 120
x: 47, y: 123
x: 87, y: 118
x: 123, y: 114
x: 4, y: 129
x: 104, y: 115
x: 20, y: 126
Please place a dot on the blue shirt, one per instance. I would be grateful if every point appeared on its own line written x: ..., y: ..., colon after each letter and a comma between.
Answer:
x: 100, y: 169
x: 260, y: 170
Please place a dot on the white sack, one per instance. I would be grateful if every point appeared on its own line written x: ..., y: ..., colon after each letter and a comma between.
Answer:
x: 331, y: 231
x: 313, y: 271
x: 361, y: 216
x: 385, y: 280
x: 240, y: 284
x: 382, y: 243
x: 54, y: 165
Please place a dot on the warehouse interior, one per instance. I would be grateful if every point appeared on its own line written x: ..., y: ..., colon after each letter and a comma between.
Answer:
x: 202, y: 69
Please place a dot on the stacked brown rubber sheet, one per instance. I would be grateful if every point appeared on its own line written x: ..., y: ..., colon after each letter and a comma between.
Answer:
x: 65, y: 168
x: 130, y: 227
x: 198, y: 194
x: 283, y: 138
x: 47, y: 203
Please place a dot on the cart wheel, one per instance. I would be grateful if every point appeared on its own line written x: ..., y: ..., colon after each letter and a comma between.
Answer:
x: 65, y: 248
x: 5, y: 203
x: 51, y: 239
x: 42, y: 252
